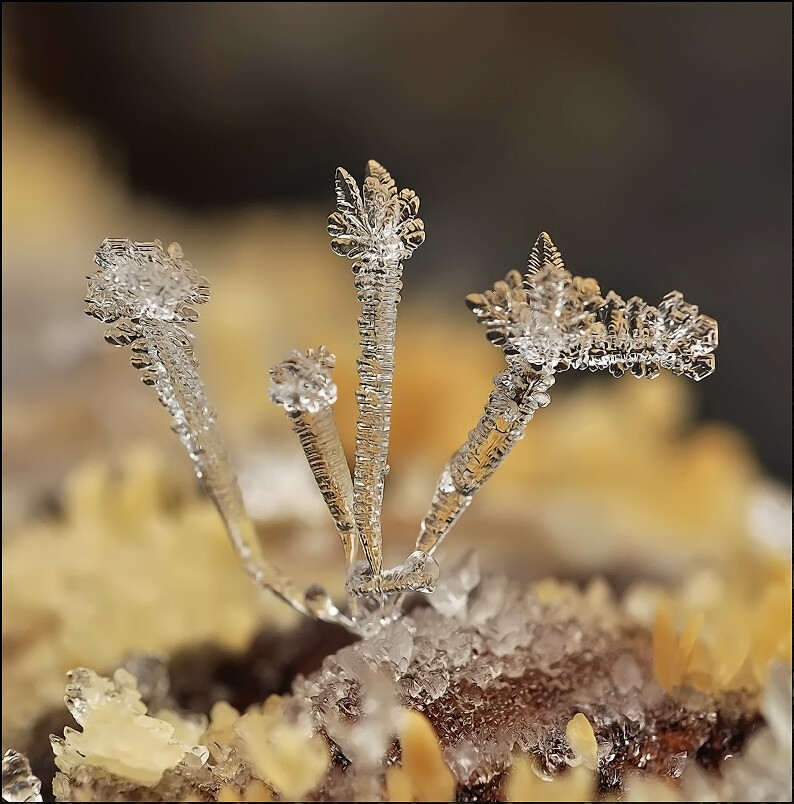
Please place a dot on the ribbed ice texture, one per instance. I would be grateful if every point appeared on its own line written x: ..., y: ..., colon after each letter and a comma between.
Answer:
x: 378, y: 229
x: 145, y: 292
x: 19, y: 783
x: 302, y: 385
x: 545, y: 321
x: 518, y: 393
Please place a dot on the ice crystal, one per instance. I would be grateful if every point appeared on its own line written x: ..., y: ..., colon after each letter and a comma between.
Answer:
x: 19, y: 783
x: 141, y: 281
x: 562, y: 676
x: 302, y: 385
x: 546, y: 321
x: 555, y: 321
x: 147, y: 290
x: 521, y: 693
x: 378, y: 228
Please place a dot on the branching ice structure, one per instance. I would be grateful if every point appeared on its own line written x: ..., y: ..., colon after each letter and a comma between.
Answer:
x: 146, y: 292
x: 549, y: 321
x: 545, y: 321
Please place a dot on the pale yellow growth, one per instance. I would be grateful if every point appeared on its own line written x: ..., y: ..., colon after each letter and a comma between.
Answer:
x: 721, y: 633
x: 188, y: 731
x: 580, y: 736
x: 137, y: 748
x: 290, y: 757
x: 423, y: 775
x: 223, y: 717
x: 126, y: 563
x: 118, y: 736
x: 524, y: 783
x: 640, y: 787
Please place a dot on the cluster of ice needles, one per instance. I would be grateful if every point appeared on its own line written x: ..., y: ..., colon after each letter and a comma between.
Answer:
x: 545, y: 321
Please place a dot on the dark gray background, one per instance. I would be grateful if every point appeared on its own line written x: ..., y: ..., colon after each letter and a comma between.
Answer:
x: 652, y: 140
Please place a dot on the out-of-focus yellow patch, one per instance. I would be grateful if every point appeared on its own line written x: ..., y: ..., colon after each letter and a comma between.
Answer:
x: 290, y: 757
x: 639, y: 787
x: 580, y: 736
x: 423, y: 775
x: 723, y: 631
x: 524, y: 783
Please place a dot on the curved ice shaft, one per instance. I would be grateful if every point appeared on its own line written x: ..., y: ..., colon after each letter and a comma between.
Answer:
x: 519, y: 392
x: 181, y: 391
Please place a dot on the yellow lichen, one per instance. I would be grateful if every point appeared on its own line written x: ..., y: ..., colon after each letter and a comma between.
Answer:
x: 289, y: 756
x: 223, y: 717
x: 423, y: 775
x: 639, y: 787
x: 117, y: 735
x: 131, y: 559
x: 524, y: 783
x: 731, y: 627
x: 580, y: 736
x: 188, y: 731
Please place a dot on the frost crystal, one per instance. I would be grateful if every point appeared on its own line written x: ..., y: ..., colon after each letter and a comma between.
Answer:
x: 19, y: 783
x: 142, y: 281
x: 548, y: 321
x: 545, y: 321
x: 559, y: 675
x: 554, y: 321
x: 378, y: 229
x: 147, y: 291
x: 302, y: 385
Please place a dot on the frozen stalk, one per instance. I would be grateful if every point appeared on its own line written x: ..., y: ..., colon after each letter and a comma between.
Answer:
x: 378, y: 229
x: 302, y: 385
x: 147, y: 294
x: 549, y: 321
x: 518, y: 393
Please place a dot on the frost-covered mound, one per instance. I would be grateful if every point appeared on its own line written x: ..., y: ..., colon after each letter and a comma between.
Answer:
x: 493, y: 691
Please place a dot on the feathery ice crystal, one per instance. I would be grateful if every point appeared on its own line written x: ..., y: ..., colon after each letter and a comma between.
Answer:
x: 545, y: 321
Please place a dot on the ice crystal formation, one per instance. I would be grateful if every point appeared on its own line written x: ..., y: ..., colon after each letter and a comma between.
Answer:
x: 19, y: 783
x: 493, y: 692
x: 483, y: 689
x: 545, y: 321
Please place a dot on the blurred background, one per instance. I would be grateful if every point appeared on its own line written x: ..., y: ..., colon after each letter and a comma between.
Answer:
x: 652, y: 140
